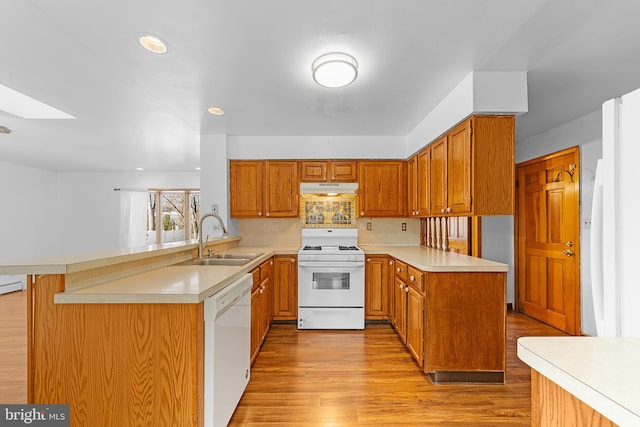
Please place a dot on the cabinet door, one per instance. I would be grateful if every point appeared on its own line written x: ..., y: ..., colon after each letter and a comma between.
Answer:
x: 423, y: 175
x: 415, y: 323
x: 400, y: 295
x: 391, y: 287
x: 285, y: 295
x: 256, y: 332
x: 313, y: 171
x: 343, y: 171
x: 266, y: 308
x: 376, y: 288
x: 438, y: 181
x: 459, y: 169
x: 246, y: 182
x: 382, y: 188
x: 412, y: 186
x: 281, y: 191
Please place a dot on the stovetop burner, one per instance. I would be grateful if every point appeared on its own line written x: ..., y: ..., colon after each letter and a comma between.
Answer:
x: 312, y: 248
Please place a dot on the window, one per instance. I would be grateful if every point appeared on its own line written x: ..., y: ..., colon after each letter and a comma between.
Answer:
x: 172, y: 215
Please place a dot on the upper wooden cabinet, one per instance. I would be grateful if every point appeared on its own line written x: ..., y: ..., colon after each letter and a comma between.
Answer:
x: 418, y: 176
x: 472, y: 168
x: 328, y: 171
x: 263, y: 188
x: 382, y: 188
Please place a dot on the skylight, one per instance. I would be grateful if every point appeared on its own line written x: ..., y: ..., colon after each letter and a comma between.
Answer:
x: 21, y: 105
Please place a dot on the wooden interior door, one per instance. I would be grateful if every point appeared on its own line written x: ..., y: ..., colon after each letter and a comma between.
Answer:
x: 547, y: 239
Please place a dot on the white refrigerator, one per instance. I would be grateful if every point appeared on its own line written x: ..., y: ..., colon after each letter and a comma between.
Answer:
x: 615, y: 233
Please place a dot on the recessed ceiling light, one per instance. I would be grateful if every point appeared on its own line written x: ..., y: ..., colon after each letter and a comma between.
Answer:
x: 335, y: 69
x: 153, y: 43
x: 216, y: 111
x: 139, y: 169
x: 198, y: 168
x: 4, y: 129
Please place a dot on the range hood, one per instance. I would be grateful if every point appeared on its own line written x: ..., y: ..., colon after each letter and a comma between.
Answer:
x: 328, y: 188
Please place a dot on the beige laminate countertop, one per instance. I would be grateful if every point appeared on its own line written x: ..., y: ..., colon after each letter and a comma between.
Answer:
x: 604, y: 373
x: 433, y: 260
x: 193, y: 284
x: 171, y: 284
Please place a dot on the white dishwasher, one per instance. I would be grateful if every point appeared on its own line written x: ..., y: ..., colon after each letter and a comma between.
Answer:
x: 227, y: 342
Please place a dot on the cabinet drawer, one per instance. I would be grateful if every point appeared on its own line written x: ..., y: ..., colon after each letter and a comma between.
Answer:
x: 401, y: 270
x: 256, y: 277
x: 265, y: 269
x: 415, y: 279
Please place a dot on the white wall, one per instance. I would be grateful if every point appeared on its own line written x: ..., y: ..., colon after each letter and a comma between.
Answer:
x: 214, y: 183
x: 89, y: 209
x: 28, y: 212
x: 480, y: 92
x: 45, y: 213
x: 316, y: 147
x: 585, y: 132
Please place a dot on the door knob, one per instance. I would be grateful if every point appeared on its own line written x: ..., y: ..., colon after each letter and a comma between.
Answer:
x: 569, y: 243
x: 568, y: 252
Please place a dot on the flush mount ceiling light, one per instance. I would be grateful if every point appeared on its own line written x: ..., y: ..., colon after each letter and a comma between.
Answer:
x: 153, y: 43
x: 216, y: 111
x: 335, y: 69
x: 4, y: 129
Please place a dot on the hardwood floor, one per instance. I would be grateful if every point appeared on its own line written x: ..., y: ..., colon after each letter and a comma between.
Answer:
x: 13, y: 347
x: 333, y: 378
x: 368, y: 378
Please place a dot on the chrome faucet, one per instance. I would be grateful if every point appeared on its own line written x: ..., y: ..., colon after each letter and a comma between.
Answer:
x: 224, y: 231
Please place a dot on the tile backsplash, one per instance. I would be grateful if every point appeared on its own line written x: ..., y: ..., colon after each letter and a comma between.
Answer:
x: 286, y: 231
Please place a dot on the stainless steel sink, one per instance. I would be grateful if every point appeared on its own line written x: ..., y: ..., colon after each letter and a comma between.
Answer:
x: 222, y: 259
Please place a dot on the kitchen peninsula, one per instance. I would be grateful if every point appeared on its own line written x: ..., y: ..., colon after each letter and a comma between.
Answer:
x: 118, y: 335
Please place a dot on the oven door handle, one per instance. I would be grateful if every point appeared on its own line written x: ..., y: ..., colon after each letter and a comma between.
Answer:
x: 331, y: 264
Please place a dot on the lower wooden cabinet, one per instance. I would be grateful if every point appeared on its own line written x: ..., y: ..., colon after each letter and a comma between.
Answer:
x: 261, y: 306
x: 400, y: 308
x: 285, y: 295
x: 376, y: 287
x: 415, y: 323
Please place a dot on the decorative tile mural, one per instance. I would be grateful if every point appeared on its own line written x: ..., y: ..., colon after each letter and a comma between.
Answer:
x: 329, y: 211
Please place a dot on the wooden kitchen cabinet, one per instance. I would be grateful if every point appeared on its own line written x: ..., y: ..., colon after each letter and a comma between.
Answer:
x: 328, y: 171
x: 409, y: 308
x: 418, y: 191
x: 261, y: 306
x: 400, y: 299
x: 126, y: 364
x: 285, y: 287
x: 260, y: 189
x: 382, y: 188
x: 472, y: 168
x: 415, y: 313
x: 465, y: 326
x: 246, y: 188
x: 377, y: 289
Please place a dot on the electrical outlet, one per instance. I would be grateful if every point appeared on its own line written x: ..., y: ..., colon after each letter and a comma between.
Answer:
x: 214, y: 209
x: 368, y: 226
x: 404, y: 226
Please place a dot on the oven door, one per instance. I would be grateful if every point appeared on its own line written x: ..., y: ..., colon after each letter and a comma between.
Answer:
x: 330, y: 284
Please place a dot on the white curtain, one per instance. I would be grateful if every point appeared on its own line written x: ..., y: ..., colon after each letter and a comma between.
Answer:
x: 133, y: 218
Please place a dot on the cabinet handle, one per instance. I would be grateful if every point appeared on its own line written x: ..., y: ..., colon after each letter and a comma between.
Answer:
x: 449, y: 210
x: 406, y: 289
x: 361, y: 213
x: 292, y: 260
x: 259, y: 213
x: 263, y: 287
x: 268, y: 214
x: 271, y: 262
x: 368, y: 259
x: 390, y: 262
x: 401, y: 286
x: 412, y: 278
x: 442, y: 210
x: 261, y: 290
x: 398, y: 269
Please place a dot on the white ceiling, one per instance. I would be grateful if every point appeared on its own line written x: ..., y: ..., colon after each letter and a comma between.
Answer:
x: 253, y: 58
